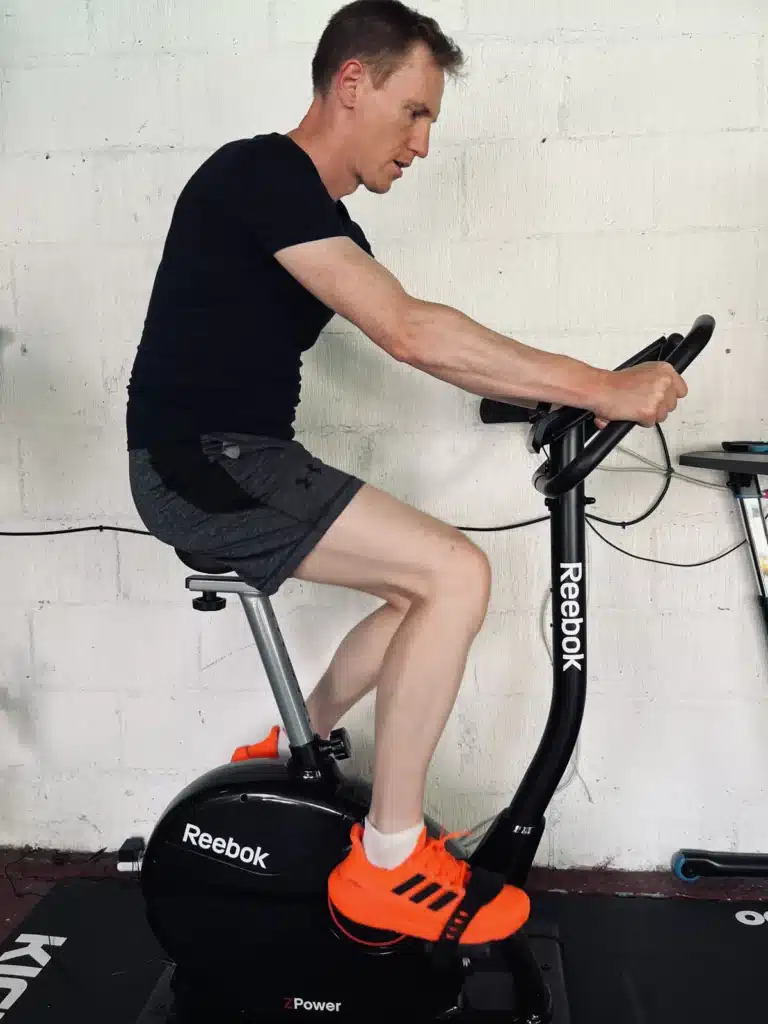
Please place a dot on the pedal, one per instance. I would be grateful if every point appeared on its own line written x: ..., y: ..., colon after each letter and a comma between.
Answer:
x: 373, y: 941
x: 445, y: 956
x: 130, y: 855
x: 492, y: 992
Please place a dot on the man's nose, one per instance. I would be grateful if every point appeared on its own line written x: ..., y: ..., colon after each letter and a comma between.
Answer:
x: 419, y: 142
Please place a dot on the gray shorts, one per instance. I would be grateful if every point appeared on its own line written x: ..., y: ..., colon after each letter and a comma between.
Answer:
x: 258, y: 504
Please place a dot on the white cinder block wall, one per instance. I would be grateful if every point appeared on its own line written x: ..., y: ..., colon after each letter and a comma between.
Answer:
x: 598, y: 179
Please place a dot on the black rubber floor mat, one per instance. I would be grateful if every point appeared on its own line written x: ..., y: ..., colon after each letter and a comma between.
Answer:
x: 85, y: 955
x: 638, y: 960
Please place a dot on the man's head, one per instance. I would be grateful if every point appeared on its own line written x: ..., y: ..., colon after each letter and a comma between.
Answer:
x: 378, y: 76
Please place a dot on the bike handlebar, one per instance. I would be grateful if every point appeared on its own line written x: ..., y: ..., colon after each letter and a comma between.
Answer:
x: 553, y: 425
x: 679, y: 352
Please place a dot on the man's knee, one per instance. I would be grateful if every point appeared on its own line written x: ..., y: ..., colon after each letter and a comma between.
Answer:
x: 463, y: 573
x: 475, y: 576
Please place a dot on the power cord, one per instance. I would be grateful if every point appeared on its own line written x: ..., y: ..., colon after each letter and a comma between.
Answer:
x: 668, y: 471
x: 73, y: 529
x: 654, y: 467
x: 60, y: 859
x: 661, y: 561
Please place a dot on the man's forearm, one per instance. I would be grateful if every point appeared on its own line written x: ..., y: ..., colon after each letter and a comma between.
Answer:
x: 444, y: 343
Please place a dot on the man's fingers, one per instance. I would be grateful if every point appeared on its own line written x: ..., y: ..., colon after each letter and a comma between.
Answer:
x: 681, y: 388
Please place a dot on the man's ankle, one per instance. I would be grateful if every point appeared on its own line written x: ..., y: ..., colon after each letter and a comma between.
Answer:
x: 390, y: 849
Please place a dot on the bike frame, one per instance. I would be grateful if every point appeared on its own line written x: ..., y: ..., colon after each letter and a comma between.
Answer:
x: 510, y: 845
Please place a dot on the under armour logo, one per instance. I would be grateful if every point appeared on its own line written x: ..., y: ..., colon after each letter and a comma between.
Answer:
x: 306, y: 480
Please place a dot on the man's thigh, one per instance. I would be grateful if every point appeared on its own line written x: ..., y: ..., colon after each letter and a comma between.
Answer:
x: 379, y: 544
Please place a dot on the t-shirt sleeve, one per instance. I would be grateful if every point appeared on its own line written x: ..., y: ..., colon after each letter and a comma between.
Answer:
x: 279, y: 197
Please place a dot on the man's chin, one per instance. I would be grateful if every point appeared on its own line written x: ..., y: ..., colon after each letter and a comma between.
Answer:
x: 379, y: 188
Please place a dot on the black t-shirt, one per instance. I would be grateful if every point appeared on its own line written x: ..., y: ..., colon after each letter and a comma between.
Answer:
x: 227, y: 324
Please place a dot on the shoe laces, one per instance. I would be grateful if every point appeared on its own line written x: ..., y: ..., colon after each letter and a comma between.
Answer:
x: 442, y: 864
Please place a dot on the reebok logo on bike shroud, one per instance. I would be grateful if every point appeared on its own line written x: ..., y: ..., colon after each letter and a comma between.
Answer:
x: 226, y: 847
x: 572, y: 618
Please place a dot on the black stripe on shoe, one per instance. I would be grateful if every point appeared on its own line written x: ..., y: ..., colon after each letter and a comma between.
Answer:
x: 407, y: 886
x: 426, y: 892
x: 443, y: 901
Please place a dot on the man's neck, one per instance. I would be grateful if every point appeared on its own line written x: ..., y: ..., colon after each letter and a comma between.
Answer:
x: 328, y: 153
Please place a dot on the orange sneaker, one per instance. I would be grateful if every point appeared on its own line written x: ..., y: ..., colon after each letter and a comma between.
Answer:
x: 267, y: 748
x: 431, y: 896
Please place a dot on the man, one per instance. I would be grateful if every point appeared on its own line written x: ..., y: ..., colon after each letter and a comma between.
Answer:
x: 260, y: 254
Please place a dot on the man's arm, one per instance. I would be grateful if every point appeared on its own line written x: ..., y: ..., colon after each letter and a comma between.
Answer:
x: 450, y: 345
x: 445, y: 343
x: 434, y: 338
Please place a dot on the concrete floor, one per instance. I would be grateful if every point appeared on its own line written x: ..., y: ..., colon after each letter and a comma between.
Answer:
x: 28, y: 875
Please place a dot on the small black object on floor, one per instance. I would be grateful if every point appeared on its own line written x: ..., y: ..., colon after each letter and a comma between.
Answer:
x: 85, y: 954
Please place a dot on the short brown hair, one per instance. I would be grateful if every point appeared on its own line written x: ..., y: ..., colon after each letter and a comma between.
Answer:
x: 380, y: 34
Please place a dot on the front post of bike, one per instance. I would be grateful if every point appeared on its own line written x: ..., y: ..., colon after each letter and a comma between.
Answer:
x: 533, y: 959
x: 511, y: 843
x: 569, y: 612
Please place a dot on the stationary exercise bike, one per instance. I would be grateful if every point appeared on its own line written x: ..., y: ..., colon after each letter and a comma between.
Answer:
x: 234, y: 875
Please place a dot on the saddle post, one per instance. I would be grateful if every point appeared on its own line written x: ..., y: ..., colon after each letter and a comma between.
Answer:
x: 271, y: 646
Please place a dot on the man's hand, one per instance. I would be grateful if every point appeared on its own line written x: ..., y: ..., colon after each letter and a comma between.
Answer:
x: 644, y: 394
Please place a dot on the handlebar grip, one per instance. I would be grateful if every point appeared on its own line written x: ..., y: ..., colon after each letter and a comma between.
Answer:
x: 606, y: 440
x: 693, y: 343
x: 550, y: 427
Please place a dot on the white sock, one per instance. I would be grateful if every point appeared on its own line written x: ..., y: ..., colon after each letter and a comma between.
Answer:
x: 390, y: 849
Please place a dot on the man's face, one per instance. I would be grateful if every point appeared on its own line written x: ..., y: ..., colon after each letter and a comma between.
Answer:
x: 393, y: 123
